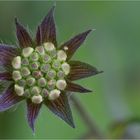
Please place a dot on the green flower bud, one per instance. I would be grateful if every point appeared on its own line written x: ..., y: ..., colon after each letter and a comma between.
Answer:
x: 30, y: 81
x: 46, y: 58
x: 66, y: 68
x: 35, y: 90
x: 27, y: 93
x: 44, y: 92
x: 54, y: 94
x: 53, y: 53
x: 37, y: 99
x: 25, y: 71
x: 49, y: 46
x: 26, y: 52
x: 61, y: 84
x: 60, y: 74
x: 51, y: 74
x: 45, y: 68
x: 19, y: 90
x: 16, y: 63
x: 34, y: 56
x: 42, y: 82
x: 51, y: 84
x: 61, y: 55
x: 21, y: 82
x: 56, y: 64
x: 37, y: 74
x: 40, y: 50
x: 16, y: 75
x: 25, y: 61
x: 34, y: 65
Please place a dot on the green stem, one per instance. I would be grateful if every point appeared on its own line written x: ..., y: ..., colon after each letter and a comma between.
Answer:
x: 93, y: 129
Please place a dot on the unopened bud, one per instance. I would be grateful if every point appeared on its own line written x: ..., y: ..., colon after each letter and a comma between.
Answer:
x: 34, y: 65
x: 21, y: 82
x: 42, y: 82
x: 30, y: 81
x: 44, y: 92
x: 34, y: 56
x: 45, y: 68
x: 25, y: 71
x: 49, y: 46
x: 27, y: 51
x: 37, y: 99
x: 16, y: 63
x: 56, y: 64
x: 51, y: 74
x: 25, y: 61
x: 16, y: 75
x: 60, y: 74
x: 27, y: 93
x: 61, y: 84
x: 51, y: 84
x: 19, y: 90
x: 40, y: 50
x: 46, y: 58
x: 61, y: 55
x: 66, y: 68
x: 35, y: 90
x: 37, y: 74
x: 53, y: 53
x: 54, y: 94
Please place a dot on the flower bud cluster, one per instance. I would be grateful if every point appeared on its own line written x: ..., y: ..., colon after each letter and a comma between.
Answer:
x: 40, y: 72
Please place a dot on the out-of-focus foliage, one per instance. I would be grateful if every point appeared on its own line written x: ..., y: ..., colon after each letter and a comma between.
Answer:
x: 114, y: 48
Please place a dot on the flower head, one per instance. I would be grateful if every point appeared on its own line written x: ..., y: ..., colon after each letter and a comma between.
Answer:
x: 40, y: 72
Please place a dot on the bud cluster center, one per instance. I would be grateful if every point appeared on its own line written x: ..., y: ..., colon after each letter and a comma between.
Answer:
x: 40, y: 72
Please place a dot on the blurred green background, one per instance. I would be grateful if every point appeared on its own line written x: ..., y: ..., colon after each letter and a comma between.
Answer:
x: 114, y: 48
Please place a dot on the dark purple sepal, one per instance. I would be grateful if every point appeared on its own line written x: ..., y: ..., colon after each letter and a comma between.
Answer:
x: 81, y: 70
x: 61, y: 108
x: 74, y: 43
x: 48, y: 29
x: 22, y: 35
x: 38, y: 36
x: 76, y: 88
x: 5, y: 76
x: 9, y: 99
x: 32, y: 113
x: 7, y: 53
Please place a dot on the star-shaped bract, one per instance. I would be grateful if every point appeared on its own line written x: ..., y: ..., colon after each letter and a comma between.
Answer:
x: 56, y: 98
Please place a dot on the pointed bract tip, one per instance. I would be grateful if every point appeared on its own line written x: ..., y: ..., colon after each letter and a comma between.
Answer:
x: 38, y: 29
x: 51, y: 11
x: 85, y: 90
x: 93, y: 30
x: 101, y: 71
x: 87, y: 32
x: 33, y: 131
x: 71, y: 123
x: 88, y: 90
x: 16, y: 20
x: 73, y: 126
x: 90, y: 30
x: 32, y: 127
